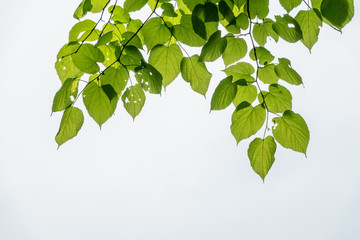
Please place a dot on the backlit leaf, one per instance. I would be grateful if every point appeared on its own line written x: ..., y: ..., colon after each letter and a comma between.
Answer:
x: 309, y: 23
x: 134, y: 5
x: 214, y: 48
x: 236, y: 49
x: 224, y: 94
x: 261, y: 153
x: 291, y: 131
x: 134, y: 100
x: 278, y: 99
x: 70, y: 125
x: 339, y: 12
x: 155, y: 32
x: 87, y: 57
x: 290, y: 4
x: 66, y: 95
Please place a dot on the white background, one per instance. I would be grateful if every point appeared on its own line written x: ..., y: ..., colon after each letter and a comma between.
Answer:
x: 175, y: 173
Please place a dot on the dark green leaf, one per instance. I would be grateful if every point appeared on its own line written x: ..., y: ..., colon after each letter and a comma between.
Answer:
x: 339, y: 12
x: 184, y: 33
x: 287, y: 28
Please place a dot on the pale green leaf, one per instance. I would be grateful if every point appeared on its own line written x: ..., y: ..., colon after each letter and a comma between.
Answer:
x: 278, y: 99
x: 224, y: 94
x: 64, y: 64
x: 236, y: 49
x: 261, y: 153
x: 134, y: 100
x: 166, y: 59
x: 290, y: 4
x: 116, y: 77
x: 84, y: 7
x: 241, y: 70
x: 286, y: 73
x: 245, y: 93
x: 309, y: 23
x: 247, y: 120
x: 87, y: 57
x: 291, y: 131
x: 70, y: 125
x: 149, y: 78
x: 262, y: 54
x: 134, y: 5
x: 100, y: 101
x: 259, y: 8
x: 155, y: 32
x: 66, y: 95
x: 262, y: 31
x: 267, y: 74
x: 196, y: 74
x: 98, y: 5
x: 184, y: 33
x: 85, y: 28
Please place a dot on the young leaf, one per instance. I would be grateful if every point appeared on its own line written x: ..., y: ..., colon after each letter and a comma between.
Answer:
x: 134, y: 5
x: 259, y: 8
x: 286, y: 73
x: 87, y: 56
x: 263, y: 55
x: 65, y: 66
x: 224, y: 94
x: 196, y: 74
x: 262, y: 31
x: 245, y: 93
x: 84, y: 7
x: 278, y: 99
x: 309, y: 23
x: 116, y: 77
x: 155, y: 32
x: 241, y: 70
x: 339, y: 12
x: 290, y: 4
x: 84, y: 27
x: 246, y: 120
x: 98, y: 5
x: 166, y: 59
x: 149, y: 78
x: 287, y: 28
x: 134, y: 100
x: 184, y: 32
x: 267, y: 74
x: 291, y: 131
x: 100, y: 101
x: 236, y: 49
x: 62, y: 99
x: 214, y: 48
x: 70, y: 125
x: 261, y: 153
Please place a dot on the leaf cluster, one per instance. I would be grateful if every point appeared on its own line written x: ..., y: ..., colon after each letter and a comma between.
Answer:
x: 100, y: 58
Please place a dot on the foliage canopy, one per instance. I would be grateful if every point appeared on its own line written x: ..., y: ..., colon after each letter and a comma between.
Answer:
x: 154, y: 50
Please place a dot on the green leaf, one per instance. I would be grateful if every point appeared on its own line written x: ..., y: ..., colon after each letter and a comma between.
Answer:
x: 245, y: 92
x: 291, y: 131
x: 290, y: 4
x: 184, y: 33
x: 98, y: 5
x: 263, y: 55
x: 309, y: 23
x: 236, y: 49
x: 267, y: 74
x: 135, y: 40
x: 84, y: 7
x: 105, y: 39
x: 131, y: 57
x: 286, y: 73
x: 339, y: 12
x: 134, y: 100
x: 224, y: 94
x: 87, y: 56
x: 198, y: 21
x: 278, y: 99
x: 226, y: 11
x: 241, y: 70
x: 149, y: 78
x: 259, y: 8
x: 196, y: 74
x: 169, y: 10
x: 119, y: 14
x: 261, y: 153
x: 116, y: 77
x: 66, y: 95
x: 134, y: 5
x: 192, y: 3
x: 211, y: 12
x: 65, y: 66
x: 155, y: 32
x: 247, y: 120
x: 85, y: 27
x: 70, y: 125
x: 287, y: 28
x: 262, y: 31
x: 100, y: 101
x: 166, y: 59
x: 214, y: 48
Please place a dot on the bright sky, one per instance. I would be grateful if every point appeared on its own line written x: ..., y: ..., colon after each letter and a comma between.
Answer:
x: 175, y: 173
